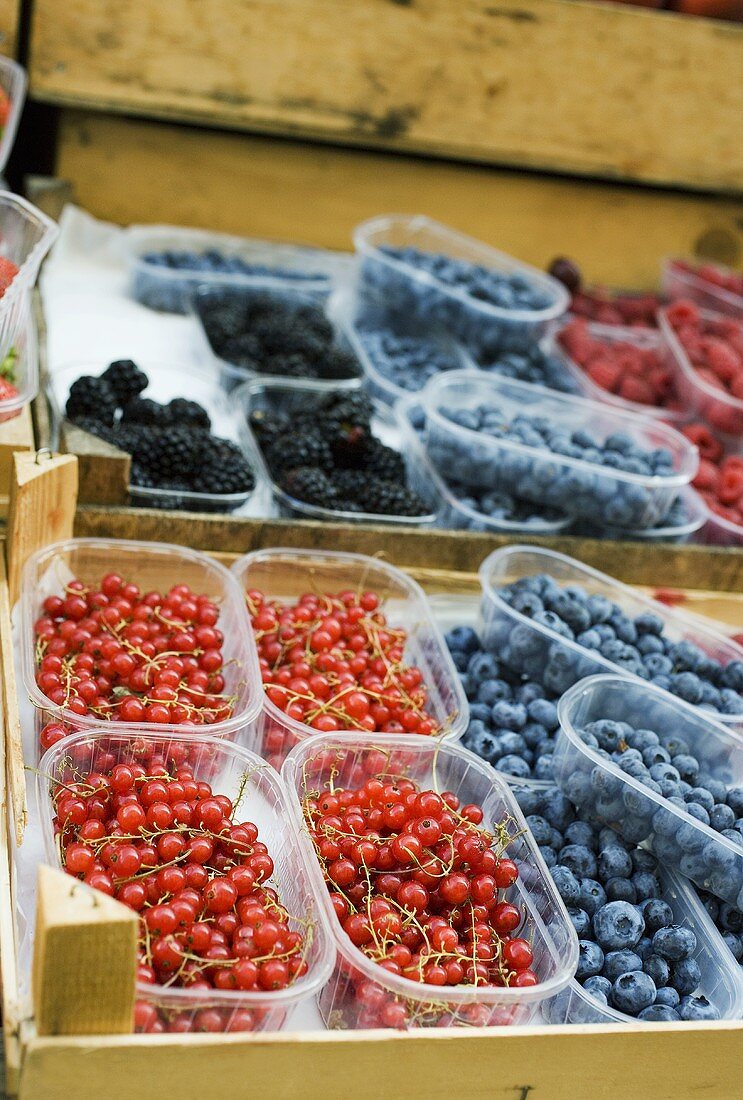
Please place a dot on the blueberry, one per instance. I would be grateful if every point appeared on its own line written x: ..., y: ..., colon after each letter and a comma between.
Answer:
x: 686, y: 976
x: 735, y: 800
x: 643, y: 860
x: 514, y: 765
x: 674, y: 943
x: 592, y: 896
x: 490, y: 691
x: 620, y: 962
x: 697, y: 1008
x: 507, y: 715
x: 548, y: 856
x: 557, y: 809
x: 658, y: 1013
x: 543, y: 712
x: 668, y: 996
x: 731, y: 919
x: 590, y: 959
x: 580, y: 920
x: 579, y: 859
x: 632, y: 992
x: 597, y: 985
x: 657, y: 914
x: 540, y: 828
x: 620, y: 889
x: 658, y: 969
x: 618, y: 925
x: 614, y: 862
x: 483, y: 666
x: 567, y: 885
x: 644, y: 947
x: 580, y: 832
x: 721, y: 817
x: 463, y: 638
x: 646, y: 885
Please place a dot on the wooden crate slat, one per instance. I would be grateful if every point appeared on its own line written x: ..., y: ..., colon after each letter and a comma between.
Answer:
x: 127, y: 170
x: 665, y: 1062
x: 575, y: 87
x: 10, y: 17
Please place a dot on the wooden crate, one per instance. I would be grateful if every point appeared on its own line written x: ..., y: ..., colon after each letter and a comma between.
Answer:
x: 127, y: 170
x: 591, y: 89
x: 10, y: 19
x: 662, y: 1062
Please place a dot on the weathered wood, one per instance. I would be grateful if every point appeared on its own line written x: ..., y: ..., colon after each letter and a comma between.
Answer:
x: 103, y: 470
x: 43, y: 495
x: 709, y: 568
x: 15, y: 435
x: 84, y: 971
x: 601, y: 90
x: 13, y: 746
x: 10, y: 18
x: 127, y: 171
x: 662, y: 1062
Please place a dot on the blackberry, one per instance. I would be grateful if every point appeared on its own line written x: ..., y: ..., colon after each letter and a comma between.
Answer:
x: 311, y: 485
x: 292, y: 365
x: 172, y: 453
x: 351, y: 486
x: 93, y: 398
x: 143, y: 410
x: 140, y: 477
x: 183, y: 412
x: 268, y: 426
x: 388, y: 498
x: 312, y: 320
x: 96, y: 428
x: 125, y: 379
x: 348, y: 410
x: 224, y: 469
x: 382, y: 461
x: 289, y: 452
x: 338, y: 364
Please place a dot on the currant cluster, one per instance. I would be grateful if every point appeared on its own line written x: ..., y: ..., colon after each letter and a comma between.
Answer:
x: 417, y: 885
x: 157, y: 838
x: 333, y: 662
x: 114, y: 652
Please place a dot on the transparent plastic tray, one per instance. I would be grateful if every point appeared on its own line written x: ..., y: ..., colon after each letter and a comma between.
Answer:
x: 697, y: 516
x: 586, y: 490
x: 454, y: 513
x: 284, y: 295
x: 678, y: 283
x: 700, y: 399
x: 170, y: 289
x: 643, y: 338
x: 354, y: 310
x: 25, y: 370
x: 237, y: 773
x: 272, y: 395
x: 26, y: 235
x: 568, y: 660
x: 339, y: 760
x: 416, y: 293
x: 720, y: 982
x: 601, y: 789
x: 153, y: 566
x: 719, y: 531
x: 166, y: 382
x: 13, y: 82
x: 286, y: 574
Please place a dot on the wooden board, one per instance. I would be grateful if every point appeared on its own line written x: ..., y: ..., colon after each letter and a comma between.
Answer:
x: 128, y: 171
x: 601, y: 90
x: 662, y: 1062
x: 10, y: 17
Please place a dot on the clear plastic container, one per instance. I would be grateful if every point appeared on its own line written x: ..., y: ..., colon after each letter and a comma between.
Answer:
x: 286, y: 297
x: 316, y: 270
x: 286, y: 574
x: 697, y: 515
x: 25, y: 369
x: 413, y: 292
x: 642, y: 338
x: 720, y: 983
x: 262, y: 799
x: 153, y: 566
x: 701, y: 400
x: 338, y: 760
x: 270, y: 396
x: 587, y: 490
x: 26, y: 235
x: 540, y: 648
x: 678, y: 283
x: 166, y: 382
x: 454, y: 513
x: 601, y: 789
x: 356, y: 311
x: 13, y: 82
x: 719, y: 531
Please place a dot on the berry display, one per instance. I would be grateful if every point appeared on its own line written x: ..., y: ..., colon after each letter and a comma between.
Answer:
x: 603, y: 306
x: 719, y: 479
x: 635, y: 956
x: 171, y: 445
x: 324, y: 453
x: 533, y: 365
x: 569, y: 470
x: 151, y: 832
x: 420, y: 886
x: 709, y: 285
x: 404, y: 361
x: 267, y: 333
x: 115, y: 653
x: 164, y: 280
x: 690, y: 794
x: 729, y: 922
x: 636, y: 644
x: 332, y: 661
x: 636, y: 371
x: 713, y: 348
x: 513, y: 720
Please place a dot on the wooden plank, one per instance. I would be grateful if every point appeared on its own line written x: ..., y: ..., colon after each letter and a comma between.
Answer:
x: 10, y: 18
x: 84, y: 973
x: 127, y: 171
x: 42, y: 505
x: 103, y: 470
x: 13, y: 745
x: 15, y: 435
x: 600, y: 90
x: 710, y: 568
x: 663, y: 1062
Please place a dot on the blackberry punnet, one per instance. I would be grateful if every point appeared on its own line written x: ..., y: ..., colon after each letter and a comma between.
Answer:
x: 382, y: 461
x: 125, y: 379
x: 288, y: 453
x: 389, y: 498
x: 313, y: 486
x: 171, y: 445
x: 274, y: 334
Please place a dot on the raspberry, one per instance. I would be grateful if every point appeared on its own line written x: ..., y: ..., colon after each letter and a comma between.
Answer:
x: 682, y: 313
x: 730, y: 488
x: 630, y: 359
x: 722, y: 359
x: 636, y: 389
x: 606, y: 374
x: 708, y: 476
x: 704, y: 440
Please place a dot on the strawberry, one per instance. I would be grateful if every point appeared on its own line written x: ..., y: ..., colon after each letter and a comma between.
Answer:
x: 8, y: 272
